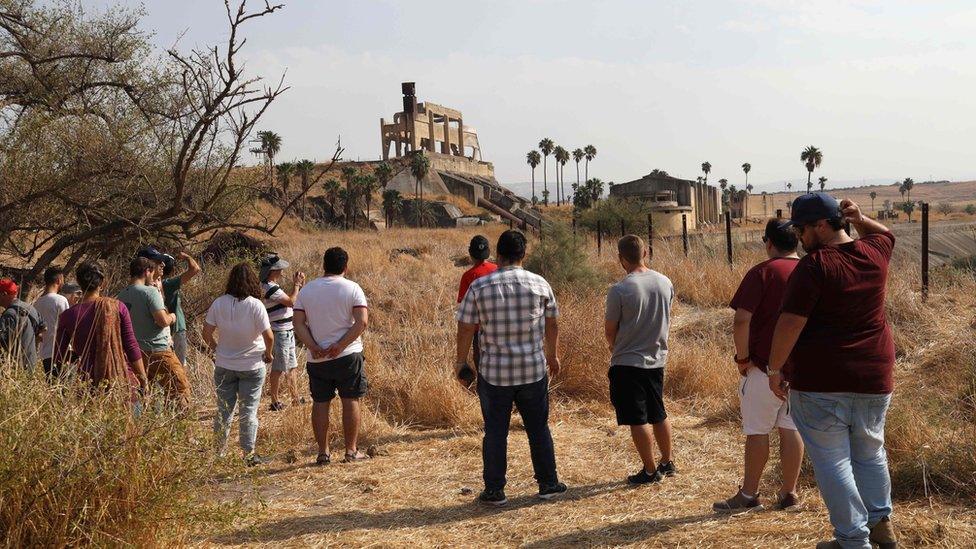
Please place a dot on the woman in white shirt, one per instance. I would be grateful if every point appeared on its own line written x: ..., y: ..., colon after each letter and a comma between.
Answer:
x: 238, y: 333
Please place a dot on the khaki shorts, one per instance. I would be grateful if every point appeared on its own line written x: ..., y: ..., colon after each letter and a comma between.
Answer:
x: 762, y: 411
x: 164, y: 368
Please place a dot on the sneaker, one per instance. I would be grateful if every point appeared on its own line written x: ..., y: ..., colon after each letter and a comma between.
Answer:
x: 643, y: 477
x: 549, y: 491
x: 737, y: 504
x: 883, y: 534
x: 253, y: 459
x: 786, y: 502
x: 277, y: 406
x: 667, y: 469
x: 493, y: 497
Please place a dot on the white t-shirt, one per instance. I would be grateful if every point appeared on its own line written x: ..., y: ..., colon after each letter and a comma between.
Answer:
x: 328, y: 303
x: 240, y: 323
x: 49, y: 307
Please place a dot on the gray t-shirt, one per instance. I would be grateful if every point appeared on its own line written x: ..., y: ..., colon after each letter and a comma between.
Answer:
x: 641, y: 305
x: 19, y: 326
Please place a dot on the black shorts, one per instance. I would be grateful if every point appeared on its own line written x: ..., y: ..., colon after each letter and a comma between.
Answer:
x: 344, y: 375
x: 637, y: 394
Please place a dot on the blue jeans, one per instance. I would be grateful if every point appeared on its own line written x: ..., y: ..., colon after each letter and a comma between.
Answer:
x: 844, y: 437
x: 496, y: 409
x: 233, y: 387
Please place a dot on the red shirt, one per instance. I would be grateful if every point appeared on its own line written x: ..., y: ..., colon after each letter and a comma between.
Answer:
x: 846, y: 345
x: 472, y: 274
x: 761, y: 293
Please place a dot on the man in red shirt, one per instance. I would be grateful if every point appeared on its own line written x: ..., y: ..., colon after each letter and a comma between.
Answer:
x: 757, y: 303
x: 832, y: 328
x: 479, y: 252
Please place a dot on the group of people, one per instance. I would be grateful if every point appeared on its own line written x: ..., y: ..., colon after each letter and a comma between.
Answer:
x: 811, y: 343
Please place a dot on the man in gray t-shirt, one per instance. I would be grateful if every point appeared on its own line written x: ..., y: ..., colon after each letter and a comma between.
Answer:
x: 637, y: 321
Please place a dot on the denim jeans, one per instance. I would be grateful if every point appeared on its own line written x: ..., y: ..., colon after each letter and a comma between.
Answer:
x: 844, y: 437
x: 496, y: 409
x: 245, y: 387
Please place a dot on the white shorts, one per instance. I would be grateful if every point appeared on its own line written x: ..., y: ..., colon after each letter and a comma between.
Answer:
x: 761, y: 410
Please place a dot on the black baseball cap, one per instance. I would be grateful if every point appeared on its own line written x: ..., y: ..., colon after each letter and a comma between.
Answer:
x: 152, y: 254
x: 812, y: 207
x: 479, y: 248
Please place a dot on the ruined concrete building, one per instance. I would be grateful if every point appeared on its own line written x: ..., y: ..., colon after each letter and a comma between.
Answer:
x: 670, y: 197
x: 456, y: 166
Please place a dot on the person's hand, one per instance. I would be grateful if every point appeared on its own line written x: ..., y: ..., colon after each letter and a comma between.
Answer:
x: 299, y: 279
x: 333, y: 351
x: 143, y: 384
x: 779, y: 386
x: 318, y: 353
x: 467, y: 384
x: 553, y: 363
x: 268, y: 356
x: 851, y: 211
x: 744, y: 368
x: 158, y: 284
x: 183, y: 255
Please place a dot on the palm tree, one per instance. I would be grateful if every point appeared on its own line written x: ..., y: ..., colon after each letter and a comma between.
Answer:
x: 304, y: 169
x: 578, y: 155
x: 384, y: 173
x: 909, y: 184
x: 270, y: 146
x: 590, y: 152
x: 811, y: 157
x: 723, y: 184
x: 285, y: 171
x: 823, y: 182
x: 349, y: 175
x: 392, y: 204
x: 331, y: 189
x: 532, y: 158
x: 562, y: 157
x: 706, y: 168
x: 419, y: 166
x: 747, y: 167
x: 873, y: 195
x: 546, y: 146
x: 368, y: 184
x: 902, y: 190
x: 749, y: 188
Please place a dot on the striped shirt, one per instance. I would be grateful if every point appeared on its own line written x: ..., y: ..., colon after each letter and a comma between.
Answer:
x: 511, y: 305
x: 279, y: 314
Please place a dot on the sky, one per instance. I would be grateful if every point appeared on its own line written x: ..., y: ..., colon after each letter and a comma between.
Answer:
x: 884, y: 88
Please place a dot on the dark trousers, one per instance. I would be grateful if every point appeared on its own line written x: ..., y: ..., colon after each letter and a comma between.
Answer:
x: 496, y: 409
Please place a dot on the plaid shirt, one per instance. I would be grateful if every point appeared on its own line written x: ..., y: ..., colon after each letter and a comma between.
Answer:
x: 511, y: 306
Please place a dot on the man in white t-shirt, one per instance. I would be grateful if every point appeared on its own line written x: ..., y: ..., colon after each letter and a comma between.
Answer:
x: 330, y: 318
x: 50, y: 306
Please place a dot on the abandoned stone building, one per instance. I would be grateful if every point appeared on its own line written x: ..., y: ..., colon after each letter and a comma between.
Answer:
x: 672, y: 197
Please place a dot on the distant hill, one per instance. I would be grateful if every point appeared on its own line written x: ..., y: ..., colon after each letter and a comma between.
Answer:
x: 934, y: 192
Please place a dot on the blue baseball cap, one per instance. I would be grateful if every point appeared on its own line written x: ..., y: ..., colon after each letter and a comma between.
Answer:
x: 812, y: 207
x: 152, y: 254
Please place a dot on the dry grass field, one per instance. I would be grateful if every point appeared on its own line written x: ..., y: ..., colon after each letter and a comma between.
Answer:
x: 424, y: 429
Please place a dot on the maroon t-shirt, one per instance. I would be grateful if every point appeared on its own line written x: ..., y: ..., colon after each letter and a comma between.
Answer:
x: 846, y: 345
x: 761, y: 293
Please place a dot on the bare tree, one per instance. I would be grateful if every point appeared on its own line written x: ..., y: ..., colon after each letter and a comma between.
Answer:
x: 106, y: 143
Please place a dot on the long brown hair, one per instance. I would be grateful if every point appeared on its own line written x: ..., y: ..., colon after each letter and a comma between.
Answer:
x: 243, y: 282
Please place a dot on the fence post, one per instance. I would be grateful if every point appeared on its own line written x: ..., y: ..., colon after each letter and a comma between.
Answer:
x: 574, y: 226
x: 925, y: 250
x: 684, y: 231
x: 650, y: 237
x: 728, y: 236
x: 623, y: 228
x: 599, y: 238
x: 511, y: 224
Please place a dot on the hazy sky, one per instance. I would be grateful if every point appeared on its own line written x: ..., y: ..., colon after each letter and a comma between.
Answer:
x: 887, y: 89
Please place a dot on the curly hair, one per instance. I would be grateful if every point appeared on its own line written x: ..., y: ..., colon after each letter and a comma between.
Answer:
x: 243, y: 282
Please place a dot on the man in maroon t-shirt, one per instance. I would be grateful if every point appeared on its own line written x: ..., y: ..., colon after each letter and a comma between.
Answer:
x: 479, y: 251
x: 832, y: 328
x: 757, y: 303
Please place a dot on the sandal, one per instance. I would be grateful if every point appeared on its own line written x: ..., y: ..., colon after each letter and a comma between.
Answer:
x: 358, y: 456
x: 323, y: 459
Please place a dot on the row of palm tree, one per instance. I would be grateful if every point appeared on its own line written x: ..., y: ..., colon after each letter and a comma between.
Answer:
x: 561, y: 156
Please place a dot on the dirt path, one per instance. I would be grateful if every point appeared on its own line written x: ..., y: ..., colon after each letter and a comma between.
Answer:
x: 422, y: 493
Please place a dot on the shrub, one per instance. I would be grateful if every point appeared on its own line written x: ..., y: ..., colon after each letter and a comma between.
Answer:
x: 80, y: 470
x: 970, y: 209
x: 559, y: 258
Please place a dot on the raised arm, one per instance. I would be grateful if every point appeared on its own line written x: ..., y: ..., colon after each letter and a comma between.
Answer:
x: 193, y: 268
x: 863, y: 224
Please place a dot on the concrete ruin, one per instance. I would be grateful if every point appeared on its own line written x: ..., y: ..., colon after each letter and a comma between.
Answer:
x: 671, y: 197
x: 456, y: 167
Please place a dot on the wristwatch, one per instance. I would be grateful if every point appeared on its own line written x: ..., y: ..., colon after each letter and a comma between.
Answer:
x: 741, y: 360
x: 770, y: 373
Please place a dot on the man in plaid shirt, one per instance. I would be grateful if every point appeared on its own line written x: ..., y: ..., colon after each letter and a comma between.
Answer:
x: 517, y: 312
